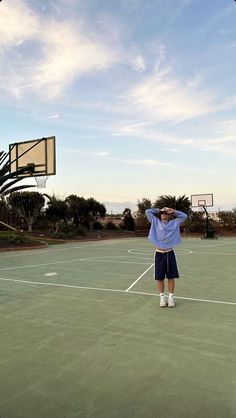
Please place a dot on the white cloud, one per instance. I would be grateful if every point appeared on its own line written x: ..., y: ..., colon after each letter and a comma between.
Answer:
x: 102, y: 153
x: 165, y: 98
x: 197, y: 169
x: 17, y: 23
x: 147, y: 131
x: 58, y: 52
x: 173, y: 150
x: 161, y: 55
x: 85, y: 152
x: 194, y: 81
x: 58, y: 9
x: 68, y: 55
x: 131, y: 128
x: 139, y: 63
x: 228, y: 126
x: 220, y: 141
x: 55, y: 116
x: 143, y: 162
x: 107, y: 155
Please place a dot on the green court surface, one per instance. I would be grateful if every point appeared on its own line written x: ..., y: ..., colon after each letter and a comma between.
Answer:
x: 82, y: 334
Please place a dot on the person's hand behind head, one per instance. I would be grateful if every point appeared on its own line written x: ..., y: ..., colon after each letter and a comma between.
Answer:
x: 168, y: 210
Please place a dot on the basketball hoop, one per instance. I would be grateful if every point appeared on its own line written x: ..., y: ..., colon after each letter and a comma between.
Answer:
x: 202, y: 200
x: 41, y: 181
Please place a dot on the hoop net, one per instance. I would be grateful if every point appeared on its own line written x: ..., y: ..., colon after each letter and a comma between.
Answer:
x: 41, y: 181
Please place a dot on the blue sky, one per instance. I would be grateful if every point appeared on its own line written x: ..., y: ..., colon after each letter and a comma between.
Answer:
x: 140, y: 94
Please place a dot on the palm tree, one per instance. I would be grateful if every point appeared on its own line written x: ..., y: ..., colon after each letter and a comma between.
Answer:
x: 7, y: 180
x: 182, y: 203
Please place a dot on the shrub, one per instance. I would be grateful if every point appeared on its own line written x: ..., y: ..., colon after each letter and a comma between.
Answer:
x: 59, y: 235
x: 17, y: 239
x: 69, y: 230
x: 110, y: 225
x: 81, y: 230
x: 97, y: 226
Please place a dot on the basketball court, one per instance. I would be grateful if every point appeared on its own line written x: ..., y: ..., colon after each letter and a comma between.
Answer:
x: 82, y: 333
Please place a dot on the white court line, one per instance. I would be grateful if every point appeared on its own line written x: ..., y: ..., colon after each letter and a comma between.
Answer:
x: 61, y: 285
x: 69, y: 261
x: 185, y: 298
x: 127, y: 290
x: 140, y: 251
x: 67, y: 247
x: 109, y: 257
x: 211, y: 253
x: 100, y: 245
x: 113, y: 290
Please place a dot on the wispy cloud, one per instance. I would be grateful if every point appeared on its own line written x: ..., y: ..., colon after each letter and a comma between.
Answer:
x: 221, y: 137
x: 173, y: 150
x: 65, y: 52
x: 197, y: 169
x: 228, y: 126
x: 160, y: 57
x: 80, y: 56
x: 107, y: 156
x: 143, y: 162
x: 55, y: 116
x: 17, y: 23
x: 84, y: 152
x: 138, y: 63
x: 221, y: 141
x: 166, y: 98
x: 148, y: 131
x: 222, y: 147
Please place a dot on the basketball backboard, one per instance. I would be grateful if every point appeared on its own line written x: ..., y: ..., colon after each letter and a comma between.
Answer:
x: 201, y: 200
x: 39, y: 152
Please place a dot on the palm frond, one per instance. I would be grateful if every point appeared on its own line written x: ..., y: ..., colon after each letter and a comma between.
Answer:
x: 15, y: 189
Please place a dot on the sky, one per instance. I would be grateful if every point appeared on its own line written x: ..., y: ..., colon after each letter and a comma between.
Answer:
x: 140, y: 95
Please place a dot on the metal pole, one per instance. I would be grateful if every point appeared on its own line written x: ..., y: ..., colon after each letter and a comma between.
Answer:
x: 207, y: 222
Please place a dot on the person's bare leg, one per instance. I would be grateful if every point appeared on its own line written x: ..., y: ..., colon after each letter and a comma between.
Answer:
x: 171, y: 285
x: 171, y: 288
x: 161, y: 288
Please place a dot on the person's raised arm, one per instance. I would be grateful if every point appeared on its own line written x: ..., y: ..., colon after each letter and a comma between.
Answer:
x: 150, y: 213
x: 180, y: 215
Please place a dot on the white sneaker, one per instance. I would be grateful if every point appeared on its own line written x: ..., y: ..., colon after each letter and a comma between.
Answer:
x: 163, y: 303
x: 171, y: 302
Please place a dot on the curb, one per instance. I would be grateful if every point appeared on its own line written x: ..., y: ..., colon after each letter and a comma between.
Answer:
x: 34, y: 247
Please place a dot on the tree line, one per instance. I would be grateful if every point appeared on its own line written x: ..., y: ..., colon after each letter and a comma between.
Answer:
x: 75, y: 215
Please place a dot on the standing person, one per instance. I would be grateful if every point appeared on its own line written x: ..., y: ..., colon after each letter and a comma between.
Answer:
x: 165, y: 234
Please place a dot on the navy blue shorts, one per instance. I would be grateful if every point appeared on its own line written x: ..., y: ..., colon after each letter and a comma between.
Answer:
x: 165, y: 266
